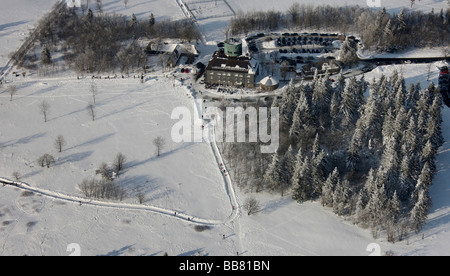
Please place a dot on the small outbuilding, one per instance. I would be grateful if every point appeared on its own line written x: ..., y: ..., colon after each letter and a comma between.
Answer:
x: 269, y: 83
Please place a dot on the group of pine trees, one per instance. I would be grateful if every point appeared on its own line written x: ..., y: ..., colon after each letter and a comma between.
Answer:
x: 365, y: 149
x: 378, y: 29
x: 370, y: 158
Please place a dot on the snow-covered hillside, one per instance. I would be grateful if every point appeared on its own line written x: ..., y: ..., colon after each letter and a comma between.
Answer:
x: 184, y: 187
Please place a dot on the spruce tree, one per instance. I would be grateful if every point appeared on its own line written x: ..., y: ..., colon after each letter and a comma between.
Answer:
x: 412, y: 97
x: 318, y: 173
x: 302, y: 116
x: 349, y: 107
x: 288, y: 105
x: 434, y: 125
x: 392, y: 214
x: 353, y: 155
x: 372, y: 121
x: 406, y: 178
x: 341, y: 198
x: 360, y: 211
x: 316, y: 146
x: 393, y: 208
x: 273, y: 175
x: 426, y: 175
x: 388, y: 129
x: 364, y: 196
x: 328, y: 188
x: 376, y: 208
x: 151, y: 21
x: 410, y: 137
x: 133, y: 21
x: 348, y: 53
x: 419, y: 213
x: 301, y: 181
x: 287, y: 169
x: 428, y: 156
x: 334, y: 111
x: 89, y: 16
x: 388, y: 37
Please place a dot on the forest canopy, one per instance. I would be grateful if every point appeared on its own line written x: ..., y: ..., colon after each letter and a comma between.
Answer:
x: 371, y: 158
x: 97, y: 42
x: 379, y: 30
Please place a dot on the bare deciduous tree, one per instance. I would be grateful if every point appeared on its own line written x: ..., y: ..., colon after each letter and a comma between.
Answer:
x: 99, y: 6
x: 105, y: 172
x: 94, y: 188
x: 119, y: 162
x: 44, y: 108
x: 93, y: 90
x: 60, y: 142
x: 91, y: 110
x: 251, y: 205
x: 16, y: 175
x: 12, y: 91
x: 159, y: 143
x: 46, y: 160
x: 141, y: 197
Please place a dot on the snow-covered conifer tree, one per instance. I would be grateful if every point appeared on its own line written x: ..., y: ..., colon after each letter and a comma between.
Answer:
x: 302, y: 115
x: 372, y: 120
x: 376, y: 208
x: 406, y: 179
x: 428, y: 156
x: 348, y: 53
x: 354, y: 149
x: 341, y: 197
x: 335, y: 106
x: 318, y: 173
x: 388, y: 129
x: 370, y: 186
x: 349, y: 107
x: 301, y: 181
x: 328, y: 188
x: 419, y: 213
x: 273, y: 175
x: 288, y: 104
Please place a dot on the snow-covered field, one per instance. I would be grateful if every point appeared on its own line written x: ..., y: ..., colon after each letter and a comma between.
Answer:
x: 186, y: 179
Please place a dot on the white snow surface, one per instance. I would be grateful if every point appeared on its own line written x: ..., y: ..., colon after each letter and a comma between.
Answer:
x: 43, y: 215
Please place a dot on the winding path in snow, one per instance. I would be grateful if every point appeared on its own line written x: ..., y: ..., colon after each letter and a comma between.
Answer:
x: 99, y: 203
x: 128, y: 206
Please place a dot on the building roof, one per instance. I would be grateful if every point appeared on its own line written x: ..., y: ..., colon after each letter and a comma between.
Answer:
x: 269, y: 81
x: 221, y: 62
x: 164, y: 47
x: 323, y: 65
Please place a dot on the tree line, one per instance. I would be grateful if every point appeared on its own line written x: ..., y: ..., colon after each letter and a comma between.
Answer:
x: 369, y: 158
x: 378, y: 30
